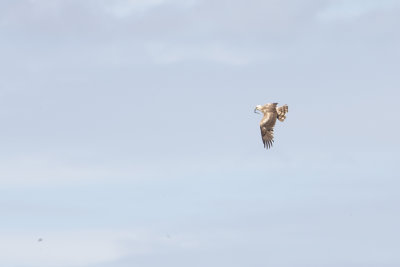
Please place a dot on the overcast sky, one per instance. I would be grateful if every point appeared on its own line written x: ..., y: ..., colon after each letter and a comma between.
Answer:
x: 128, y: 136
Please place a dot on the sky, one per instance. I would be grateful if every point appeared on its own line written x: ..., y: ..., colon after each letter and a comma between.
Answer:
x: 128, y: 136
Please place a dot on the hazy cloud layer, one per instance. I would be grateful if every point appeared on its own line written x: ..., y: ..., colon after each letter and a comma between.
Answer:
x: 128, y: 133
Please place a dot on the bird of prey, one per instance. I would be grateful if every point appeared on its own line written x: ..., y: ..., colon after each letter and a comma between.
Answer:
x: 271, y: 113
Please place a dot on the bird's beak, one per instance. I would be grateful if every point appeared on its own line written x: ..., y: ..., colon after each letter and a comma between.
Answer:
x: 255, y: 110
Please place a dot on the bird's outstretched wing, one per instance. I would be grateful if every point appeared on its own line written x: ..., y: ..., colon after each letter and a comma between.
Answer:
x: 282, y: 112
x: 267, y: 135
x: 267, y: 128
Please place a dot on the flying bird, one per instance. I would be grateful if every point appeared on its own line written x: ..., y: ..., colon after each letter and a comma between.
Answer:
x: 271, y: 113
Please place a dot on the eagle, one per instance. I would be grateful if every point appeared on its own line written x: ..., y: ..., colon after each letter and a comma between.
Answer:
x: 271, y: 113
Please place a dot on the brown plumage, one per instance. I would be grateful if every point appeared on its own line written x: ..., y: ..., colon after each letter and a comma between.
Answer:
x: 271, y: 113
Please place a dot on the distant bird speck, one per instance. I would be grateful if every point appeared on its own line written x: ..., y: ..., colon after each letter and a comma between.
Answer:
x: 271, y: 113
x: 40, y: 240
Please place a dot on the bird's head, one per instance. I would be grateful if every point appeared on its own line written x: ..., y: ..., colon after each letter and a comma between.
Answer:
x: 258, y: 107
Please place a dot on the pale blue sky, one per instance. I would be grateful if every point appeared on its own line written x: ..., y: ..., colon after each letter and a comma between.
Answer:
x: 129, y: 139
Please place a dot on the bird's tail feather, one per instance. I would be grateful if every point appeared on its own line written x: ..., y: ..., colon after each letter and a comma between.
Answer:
x: 282, y: 112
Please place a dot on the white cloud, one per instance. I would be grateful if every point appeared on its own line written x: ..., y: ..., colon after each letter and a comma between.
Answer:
x: 72, y: 248
x: 122, y: 9
x: 352, y: 9
x: 58, y: 249
x: 126, y: 8
x: 27, y: 171
x: 163, y: 53
x: 85, y: 247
